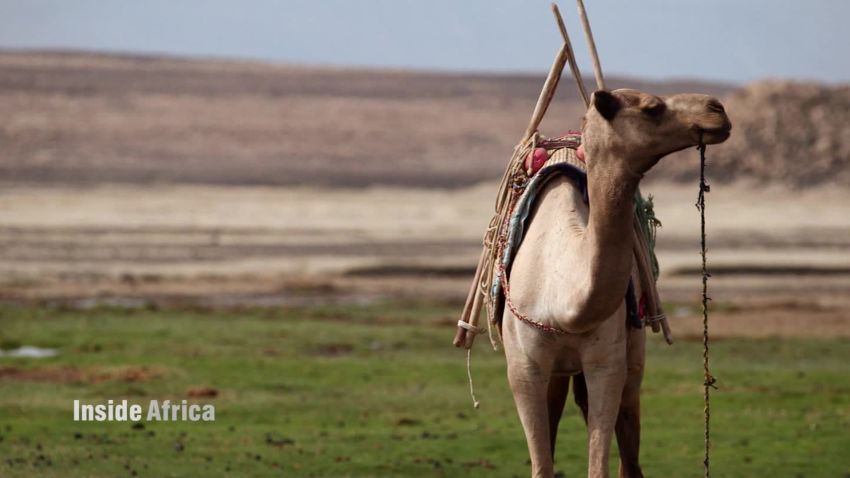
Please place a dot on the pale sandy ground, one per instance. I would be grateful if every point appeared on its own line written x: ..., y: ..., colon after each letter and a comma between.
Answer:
x: 229, y: 244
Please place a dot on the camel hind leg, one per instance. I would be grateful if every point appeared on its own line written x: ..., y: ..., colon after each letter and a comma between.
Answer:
x: 628, y: 419
x: 628, y: 437
x: 559, y: 386
x: 580, y: 394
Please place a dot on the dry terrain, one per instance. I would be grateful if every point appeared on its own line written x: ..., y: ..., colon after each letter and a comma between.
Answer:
x: 296, y: 245
x: 77, y: 118
x: 133, y: 179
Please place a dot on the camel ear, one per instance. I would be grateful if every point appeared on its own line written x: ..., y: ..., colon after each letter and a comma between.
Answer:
x: 606, y: 104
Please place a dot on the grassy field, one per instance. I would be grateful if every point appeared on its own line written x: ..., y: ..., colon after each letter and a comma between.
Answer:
x: 379, y: 391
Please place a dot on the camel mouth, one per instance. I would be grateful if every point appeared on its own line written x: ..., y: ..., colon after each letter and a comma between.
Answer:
x: 717, y: 134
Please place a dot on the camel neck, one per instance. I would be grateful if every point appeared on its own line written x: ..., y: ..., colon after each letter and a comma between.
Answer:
x: 611, y: 190
x: 610, y: 235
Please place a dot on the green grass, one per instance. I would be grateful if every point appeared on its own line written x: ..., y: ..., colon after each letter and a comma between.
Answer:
x: 379, y: 391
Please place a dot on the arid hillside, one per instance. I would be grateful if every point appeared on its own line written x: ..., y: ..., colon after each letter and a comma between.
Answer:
x: 70, y: 118
x: 130, y: 179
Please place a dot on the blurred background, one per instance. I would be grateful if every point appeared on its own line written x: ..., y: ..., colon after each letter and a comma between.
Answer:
x: 156, y: 150
x: 299, y: 155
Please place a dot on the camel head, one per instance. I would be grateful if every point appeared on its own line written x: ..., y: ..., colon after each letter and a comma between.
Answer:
x: 638, y: 129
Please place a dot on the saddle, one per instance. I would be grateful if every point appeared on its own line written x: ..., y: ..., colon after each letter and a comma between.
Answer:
x: 563, y: 160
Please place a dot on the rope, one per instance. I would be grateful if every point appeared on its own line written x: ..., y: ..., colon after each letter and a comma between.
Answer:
x: 709, y: 380
x: 649, y: 224
x: 475, y: 402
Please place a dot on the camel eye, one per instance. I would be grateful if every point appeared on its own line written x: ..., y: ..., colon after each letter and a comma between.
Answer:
x: 655, y: 110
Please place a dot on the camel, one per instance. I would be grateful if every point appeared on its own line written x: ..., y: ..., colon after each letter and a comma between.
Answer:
x: 572, y: 270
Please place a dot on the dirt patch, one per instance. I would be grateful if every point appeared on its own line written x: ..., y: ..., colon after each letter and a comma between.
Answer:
x: 202, y: 392
x: 78, y: 375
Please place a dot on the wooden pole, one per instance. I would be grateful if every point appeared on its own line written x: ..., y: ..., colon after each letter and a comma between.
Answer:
x: 591, y: 45
x: 463, y: 338
x: 570, y: 54
x: 546, y: 93
x: 475, y: 298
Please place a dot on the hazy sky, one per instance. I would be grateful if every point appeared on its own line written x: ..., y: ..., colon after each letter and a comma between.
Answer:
x: 731, y: 40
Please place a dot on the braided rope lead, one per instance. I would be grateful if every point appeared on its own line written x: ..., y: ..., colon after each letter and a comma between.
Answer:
x: 709, y: 380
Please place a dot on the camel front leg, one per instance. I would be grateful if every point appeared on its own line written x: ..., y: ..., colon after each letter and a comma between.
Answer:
x: 530, y: 356
x: 529, y: 383
x: 605, y: 378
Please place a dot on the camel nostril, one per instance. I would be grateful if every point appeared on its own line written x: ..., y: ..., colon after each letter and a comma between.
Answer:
x: 715, y: 106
